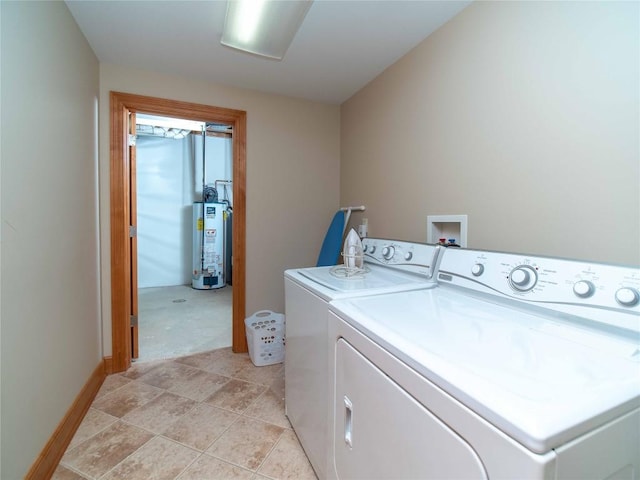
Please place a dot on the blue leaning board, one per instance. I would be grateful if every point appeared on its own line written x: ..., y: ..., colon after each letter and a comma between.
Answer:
x: 332, y: 241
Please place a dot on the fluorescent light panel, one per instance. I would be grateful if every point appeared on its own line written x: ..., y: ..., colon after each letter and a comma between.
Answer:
x: 263, y: 27
x: 169, y: 123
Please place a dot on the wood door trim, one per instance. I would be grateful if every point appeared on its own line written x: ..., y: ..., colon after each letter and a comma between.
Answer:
x: 133, y: 240
x: 120, y: 105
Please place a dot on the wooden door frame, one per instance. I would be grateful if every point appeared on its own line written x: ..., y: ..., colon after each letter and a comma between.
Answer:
x: 120, y: 105
x: 133, y: 240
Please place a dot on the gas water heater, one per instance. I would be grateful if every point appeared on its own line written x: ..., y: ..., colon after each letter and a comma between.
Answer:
x: 208, y: 245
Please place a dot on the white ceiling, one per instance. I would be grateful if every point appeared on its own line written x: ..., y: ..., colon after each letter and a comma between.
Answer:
x: 341, y: 46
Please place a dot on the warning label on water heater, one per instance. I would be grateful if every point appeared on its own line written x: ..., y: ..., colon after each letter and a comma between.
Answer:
x: 210, y: 235
x: 209, y: 248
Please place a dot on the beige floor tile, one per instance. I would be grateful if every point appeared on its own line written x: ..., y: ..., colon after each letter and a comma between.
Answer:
x: 103, y: 451
x: 137, y: 369
x: 199, y: 360
x: 287, y: 461
x: 200, y: 427
x: 227, y: 353
x: 262, y: 375
x: 199, y: 385
x: 227, y: 363
x: 160, y: 412
x: 158, y: 459
x: 121, y: 401
x: 209, y: 468
x: 246, y: 443
x: 112, y: 383
x: 93, y: 422
x: 277, y: 386
x: 192, y: 406
x: 167, y: 375
x: 269, y: 407
x: 236, y: 395
x: 63, y: 473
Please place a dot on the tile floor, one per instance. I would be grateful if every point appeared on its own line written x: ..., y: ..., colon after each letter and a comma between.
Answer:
x: 212, y: 415
x: 179, y: 320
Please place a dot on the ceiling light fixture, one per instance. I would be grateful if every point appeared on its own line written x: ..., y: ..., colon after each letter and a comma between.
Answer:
x: 167, y: 123
x: 263, y: 27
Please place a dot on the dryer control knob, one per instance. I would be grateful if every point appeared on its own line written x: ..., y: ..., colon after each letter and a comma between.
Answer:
x: 388, y: 252
x: 372, y: 249
x: 477, y: 269
x: 627, y: 296
x: 523, y: 278
x: 584, y: 288
x: 408, y: 256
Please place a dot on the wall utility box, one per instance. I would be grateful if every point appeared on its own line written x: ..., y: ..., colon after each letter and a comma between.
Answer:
x: 447, y: 226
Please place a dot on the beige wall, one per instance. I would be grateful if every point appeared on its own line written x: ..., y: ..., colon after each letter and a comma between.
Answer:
x: 292, y: 176
x: 51, y: 341
x: 523, y: 115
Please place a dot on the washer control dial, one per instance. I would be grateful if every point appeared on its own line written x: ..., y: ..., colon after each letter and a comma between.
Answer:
x: 388, y: 252
x: 477, y: 269
x: 627, y: 296
x: 523, y: 278
x: 373, y: 249
x: 408, y: 256
x: 584, y: 288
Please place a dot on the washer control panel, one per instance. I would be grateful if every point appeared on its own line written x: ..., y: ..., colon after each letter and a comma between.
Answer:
x: 420, y: 258
x: 585, y: 289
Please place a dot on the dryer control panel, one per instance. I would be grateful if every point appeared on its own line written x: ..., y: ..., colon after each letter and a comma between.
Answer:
x: 419, y: 258
x: 602, y: 292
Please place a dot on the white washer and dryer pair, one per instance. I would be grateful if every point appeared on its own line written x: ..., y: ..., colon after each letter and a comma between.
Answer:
x: 514, y: 366
x: 389, y: 266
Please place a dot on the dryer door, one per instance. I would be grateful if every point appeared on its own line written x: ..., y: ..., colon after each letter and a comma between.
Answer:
x: 382, y: 432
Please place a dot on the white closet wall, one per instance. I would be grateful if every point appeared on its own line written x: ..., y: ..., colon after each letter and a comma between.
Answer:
x: 168, y: 183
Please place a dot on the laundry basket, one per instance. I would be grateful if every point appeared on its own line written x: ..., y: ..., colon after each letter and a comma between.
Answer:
x: 265, y: 337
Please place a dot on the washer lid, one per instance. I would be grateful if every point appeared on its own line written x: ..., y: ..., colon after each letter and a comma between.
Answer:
x: 377, y: 280
x: 542, y: 380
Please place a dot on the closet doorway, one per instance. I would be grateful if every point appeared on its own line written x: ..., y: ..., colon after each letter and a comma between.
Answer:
x: 123, y: 214
x: 184, y: 291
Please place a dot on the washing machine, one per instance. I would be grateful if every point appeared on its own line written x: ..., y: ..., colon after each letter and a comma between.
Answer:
x: 389, y: 266
x: 514, y: 366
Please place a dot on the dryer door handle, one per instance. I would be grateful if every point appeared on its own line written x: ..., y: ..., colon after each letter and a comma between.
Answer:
x: 348, y: 422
